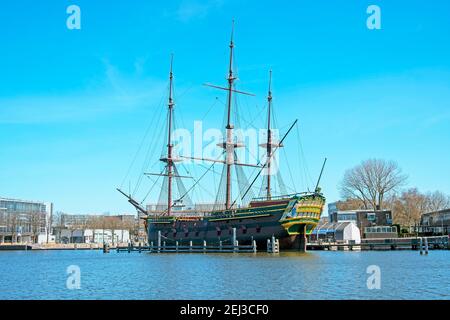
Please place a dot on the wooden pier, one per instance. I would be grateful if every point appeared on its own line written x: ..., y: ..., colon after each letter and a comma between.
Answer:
x: 205, y: 248
x: 220, y: 247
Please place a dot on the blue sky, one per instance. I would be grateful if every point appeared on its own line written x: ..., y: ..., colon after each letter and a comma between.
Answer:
x: 75, y: 104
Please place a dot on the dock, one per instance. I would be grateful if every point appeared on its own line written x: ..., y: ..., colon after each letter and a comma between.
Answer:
x: 205, y: 248
x: 418, y: 243
x: 232, y: 247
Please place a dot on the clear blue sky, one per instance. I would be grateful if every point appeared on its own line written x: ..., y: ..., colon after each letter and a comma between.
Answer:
x: 75, y: 104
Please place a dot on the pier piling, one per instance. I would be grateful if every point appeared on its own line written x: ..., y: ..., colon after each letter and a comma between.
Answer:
x: 159, y: 241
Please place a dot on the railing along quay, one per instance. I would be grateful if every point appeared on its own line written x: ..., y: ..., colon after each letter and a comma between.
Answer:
x: 419, y: 243
x: 161, y: 247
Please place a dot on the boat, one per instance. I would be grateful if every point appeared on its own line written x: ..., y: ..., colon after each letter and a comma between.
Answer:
x: 290, y: 218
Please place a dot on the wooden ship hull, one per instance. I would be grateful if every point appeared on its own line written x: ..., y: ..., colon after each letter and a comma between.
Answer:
x: 289, y: 219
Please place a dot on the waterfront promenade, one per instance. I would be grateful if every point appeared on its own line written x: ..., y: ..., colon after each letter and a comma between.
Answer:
x: 412, y: 243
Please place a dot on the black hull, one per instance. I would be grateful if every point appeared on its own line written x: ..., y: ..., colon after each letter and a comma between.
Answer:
x: 213, y: 232
x: 287, y: 219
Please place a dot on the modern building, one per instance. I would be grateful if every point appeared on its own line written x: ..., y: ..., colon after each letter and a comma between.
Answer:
x: 341, y: 232
x: 381, y: 232
x: 362, y: 218
x: 435, y: 223
x: 23, y: 221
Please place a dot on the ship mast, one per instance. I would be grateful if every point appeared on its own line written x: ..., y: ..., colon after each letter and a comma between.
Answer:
x: 269, y: 137
x: 229, y: 144
x: 169, y: 158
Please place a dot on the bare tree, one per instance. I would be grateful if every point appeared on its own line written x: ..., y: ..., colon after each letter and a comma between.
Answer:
x: 371, y: 182
x: 409, y: 207
x: 36, y: 220
x: 12, y: 224
x: 58, y: 223
x: 94, y: 223
x: 350, y: 204
x: 437, y: 201
x: 112, y: 224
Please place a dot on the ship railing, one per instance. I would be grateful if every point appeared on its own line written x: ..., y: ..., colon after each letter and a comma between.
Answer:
x: 283, y: 197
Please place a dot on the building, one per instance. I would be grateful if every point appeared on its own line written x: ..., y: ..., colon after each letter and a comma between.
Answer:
x: 362, y: 218
x: 381, y: 232
x: 341, y: 232
x: 89, y: 228
x: 435, y: 223
x: 97, y: 236
x: 23, y: 221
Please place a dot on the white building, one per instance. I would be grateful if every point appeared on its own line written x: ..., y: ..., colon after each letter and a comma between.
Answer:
x: 343, y: 232
x: 94, y: 236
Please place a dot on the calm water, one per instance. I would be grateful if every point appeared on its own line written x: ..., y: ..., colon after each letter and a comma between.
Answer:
x: 314, y: 275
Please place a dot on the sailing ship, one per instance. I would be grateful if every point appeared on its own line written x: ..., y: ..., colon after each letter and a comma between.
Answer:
x: 287, y: 217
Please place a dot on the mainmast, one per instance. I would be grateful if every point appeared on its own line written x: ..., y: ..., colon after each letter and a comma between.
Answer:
x: 169, y: 158
x: 229, y: 144
x: 269, y: 136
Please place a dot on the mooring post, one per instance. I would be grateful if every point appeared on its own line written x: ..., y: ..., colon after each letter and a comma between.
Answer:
x: 159, y: 241
x: 220, y: 245
x: 204, y: 246
x: 164, y: 246
x: 426, y: 245
x: 268, y: 245
x: 129, y: 247
x: 254, y: 246
x: 190, y: 246
x: 176, y: 246
x: 236, y: 247
x: 151, y: 247
x: 140, y: 247
x: 273, y: 244
x: 421, y: 245
x: 234, y: 237
x: 278, y: 245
